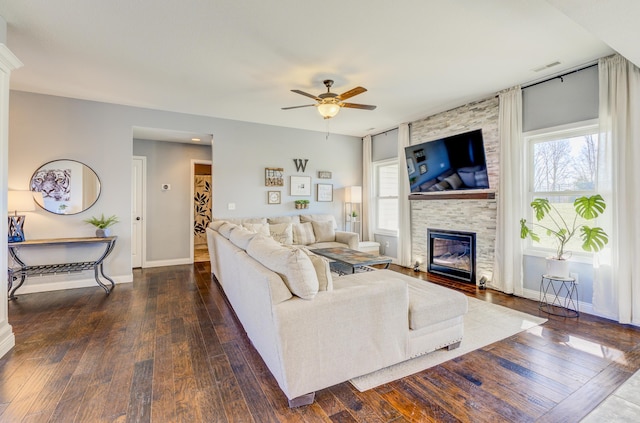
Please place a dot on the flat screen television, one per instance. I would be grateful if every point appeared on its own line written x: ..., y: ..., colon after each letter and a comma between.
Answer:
x: 453, y: 163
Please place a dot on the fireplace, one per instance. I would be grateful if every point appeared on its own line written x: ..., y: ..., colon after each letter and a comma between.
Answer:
x: 452, y: 254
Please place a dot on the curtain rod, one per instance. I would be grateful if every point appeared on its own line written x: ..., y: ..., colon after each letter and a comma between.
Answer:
x: 560, y: 76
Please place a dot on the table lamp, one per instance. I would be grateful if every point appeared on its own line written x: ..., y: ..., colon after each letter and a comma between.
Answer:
x: 18, y: 201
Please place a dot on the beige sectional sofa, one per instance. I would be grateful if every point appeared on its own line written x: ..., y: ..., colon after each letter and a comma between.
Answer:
x: 314, y: 330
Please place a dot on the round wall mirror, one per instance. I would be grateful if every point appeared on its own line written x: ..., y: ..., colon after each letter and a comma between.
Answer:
x: 67, y: 186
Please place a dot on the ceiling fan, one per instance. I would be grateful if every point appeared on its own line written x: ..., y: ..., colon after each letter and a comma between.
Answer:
x: 329, y: 104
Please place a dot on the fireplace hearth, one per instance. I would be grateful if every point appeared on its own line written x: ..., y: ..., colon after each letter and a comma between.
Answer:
x: 452, y: 254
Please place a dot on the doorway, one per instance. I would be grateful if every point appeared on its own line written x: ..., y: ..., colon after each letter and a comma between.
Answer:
x: 201, y: 176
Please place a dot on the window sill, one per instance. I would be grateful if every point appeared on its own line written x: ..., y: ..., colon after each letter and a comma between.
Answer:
x: 577, y: 257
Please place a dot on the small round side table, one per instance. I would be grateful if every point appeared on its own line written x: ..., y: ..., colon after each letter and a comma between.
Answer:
x: 559, y: 296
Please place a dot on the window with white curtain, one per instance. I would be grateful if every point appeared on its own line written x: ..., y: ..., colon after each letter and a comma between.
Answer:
x: 386, y: 196
x: 562, y: 165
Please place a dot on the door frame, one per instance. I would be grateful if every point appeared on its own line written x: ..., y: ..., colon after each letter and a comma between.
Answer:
x: 143, y: 193
x: 192, y: 237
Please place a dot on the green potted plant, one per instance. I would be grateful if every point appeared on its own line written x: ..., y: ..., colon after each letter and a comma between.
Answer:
x: 563, y: 229
x: 102, y: 224
x: 302, y: 204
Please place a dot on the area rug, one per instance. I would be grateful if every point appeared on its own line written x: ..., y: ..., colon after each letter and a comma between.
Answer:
x: 484, y: 324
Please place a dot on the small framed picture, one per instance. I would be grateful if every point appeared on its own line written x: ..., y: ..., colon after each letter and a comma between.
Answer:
x: 273, y: 177
x: 410, y: 167
x: 300, y: 186
x: 324, y: 193
x: 423, y: 168
x: 273, y: 197
x: 324, y: 174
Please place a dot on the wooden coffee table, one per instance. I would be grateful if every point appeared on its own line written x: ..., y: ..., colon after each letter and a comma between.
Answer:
x: 351, y: 259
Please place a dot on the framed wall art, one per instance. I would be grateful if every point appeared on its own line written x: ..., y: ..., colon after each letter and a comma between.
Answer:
x: 300, y: 186
x: 273, y: 197
x: 324, y: 174
x: 324, y: 192
x: 273, y: 177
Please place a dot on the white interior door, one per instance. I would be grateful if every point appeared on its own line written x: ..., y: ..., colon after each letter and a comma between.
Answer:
x: 138, y: 171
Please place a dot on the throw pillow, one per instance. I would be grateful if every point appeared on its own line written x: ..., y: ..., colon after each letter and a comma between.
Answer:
x: 482, y: 180
x: 241, y: 236
x: 225, y: 229
x: 259, y: 228
x: 445, y: 174
x: 323, y: 270
x: 468, y: 177
x: 215, y: 224
x: 324, y: 231
x: 319, y: 218
x: 454, y: 180
x: 303, y: 233
x: 282, y: 232
x: 426, y: 185
x: 292, y: 264
x: 440, y: 186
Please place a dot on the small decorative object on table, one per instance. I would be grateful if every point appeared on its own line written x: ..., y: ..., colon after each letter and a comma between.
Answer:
x: 302, y: 204
x: 102, y: 224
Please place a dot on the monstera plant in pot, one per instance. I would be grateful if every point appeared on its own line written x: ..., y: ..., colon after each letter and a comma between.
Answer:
x: 563, y: 228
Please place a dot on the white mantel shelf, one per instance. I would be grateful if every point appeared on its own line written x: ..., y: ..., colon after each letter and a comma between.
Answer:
x: 454, y: 195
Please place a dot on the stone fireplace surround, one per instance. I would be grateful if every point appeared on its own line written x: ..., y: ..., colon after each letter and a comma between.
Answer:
x: 460, y: 211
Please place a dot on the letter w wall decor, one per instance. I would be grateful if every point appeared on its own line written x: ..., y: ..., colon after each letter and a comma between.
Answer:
x: 301, y: 164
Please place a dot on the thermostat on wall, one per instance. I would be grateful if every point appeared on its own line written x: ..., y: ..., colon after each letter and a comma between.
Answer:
x: 166, y: 187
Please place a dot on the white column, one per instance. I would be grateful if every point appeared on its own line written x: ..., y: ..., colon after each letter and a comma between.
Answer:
x: 8, y: 62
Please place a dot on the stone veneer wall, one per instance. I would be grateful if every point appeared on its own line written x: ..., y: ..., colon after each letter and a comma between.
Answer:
x: 477, y: 216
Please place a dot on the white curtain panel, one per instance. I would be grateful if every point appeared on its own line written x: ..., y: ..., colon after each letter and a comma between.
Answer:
x: 616, y: 290
x: 367, y: 190
x: 507, y: 267
x: 404, y: 208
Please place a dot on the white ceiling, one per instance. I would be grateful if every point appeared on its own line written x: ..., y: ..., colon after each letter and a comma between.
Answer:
x: 239, y: 59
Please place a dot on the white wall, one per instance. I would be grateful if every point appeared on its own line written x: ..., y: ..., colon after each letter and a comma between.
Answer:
x: 44, y: 128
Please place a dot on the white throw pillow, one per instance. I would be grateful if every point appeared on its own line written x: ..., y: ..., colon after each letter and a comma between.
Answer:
x: 324, y: 231
x: 225, y: 229
x: 303, y: 233
x: 292, y: 264
x: 259, y: 228
x: 215, y: 224
x: 283, y: 219
x: 282, y: 232
x: 240, y: 237
x: 323, y: 270
x: 319, y: 218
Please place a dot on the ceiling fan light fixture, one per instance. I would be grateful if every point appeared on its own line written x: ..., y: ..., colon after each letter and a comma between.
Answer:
x: 328, y: 110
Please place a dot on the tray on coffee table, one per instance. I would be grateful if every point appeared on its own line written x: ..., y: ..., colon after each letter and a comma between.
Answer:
x: 348, y: 260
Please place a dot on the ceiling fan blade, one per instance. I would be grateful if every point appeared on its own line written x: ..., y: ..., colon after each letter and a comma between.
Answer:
x: 297, y: 107
x: 307, y: 95
x: 351, y: 93
x: 358, y: 106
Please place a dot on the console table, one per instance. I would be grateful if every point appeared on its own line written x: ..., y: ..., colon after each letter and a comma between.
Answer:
x: 46, y: 269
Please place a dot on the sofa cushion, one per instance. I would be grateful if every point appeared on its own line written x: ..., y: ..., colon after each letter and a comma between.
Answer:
x: 324, y: 231
x: 225, y: 229
x: 303, y: 233
x: 445, y: 174
x: 319, y: 218
x: 430, y: 304
x: 282, y: 232
x: 284, y: 219
x: 292, y: 264
x: 323, y: 270
x: 241, y: 236
x: 259, y: 228
x: 467, y: 177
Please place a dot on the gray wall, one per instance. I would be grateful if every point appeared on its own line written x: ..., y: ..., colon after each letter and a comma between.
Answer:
x: 44, y: 128
x: 168, y: 223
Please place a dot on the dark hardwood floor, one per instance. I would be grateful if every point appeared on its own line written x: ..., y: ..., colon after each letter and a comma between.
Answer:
x: 168, y: 348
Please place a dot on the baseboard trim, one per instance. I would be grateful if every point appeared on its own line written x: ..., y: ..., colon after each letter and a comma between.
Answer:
x: 7, y: 339
x: 583, y: 307
x: 162, y: 263
x: 28, y: 288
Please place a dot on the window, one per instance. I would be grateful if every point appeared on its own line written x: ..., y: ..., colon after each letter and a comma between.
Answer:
x: 562, y: 167
x: 386, y: 196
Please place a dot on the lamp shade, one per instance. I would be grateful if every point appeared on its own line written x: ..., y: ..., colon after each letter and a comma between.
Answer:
x: 353, y: 195
x: 20, y: 201
x: 328, y: 110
